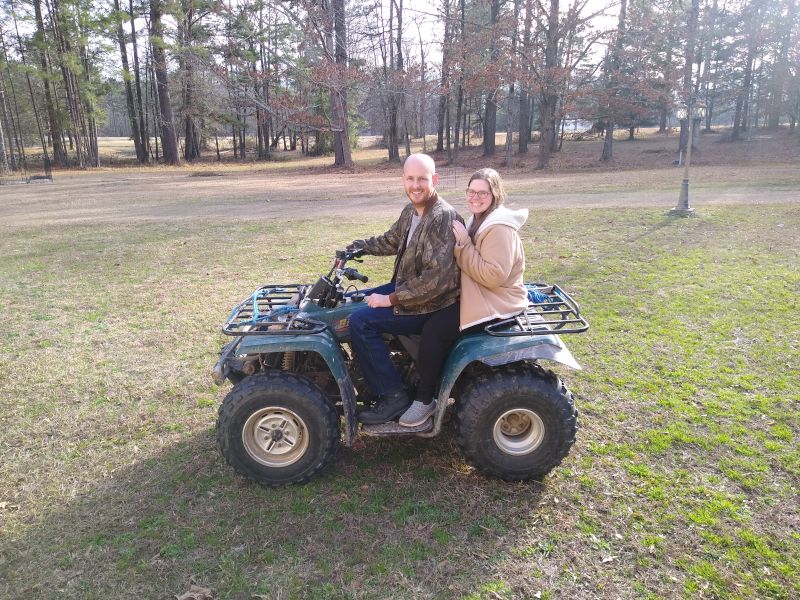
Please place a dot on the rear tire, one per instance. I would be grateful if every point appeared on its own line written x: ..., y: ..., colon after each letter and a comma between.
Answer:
x: 517, y: 423
x: 277, y: 428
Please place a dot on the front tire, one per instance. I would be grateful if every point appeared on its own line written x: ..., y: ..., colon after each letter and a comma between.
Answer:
x: 517, y: 423
x: 277, y: 428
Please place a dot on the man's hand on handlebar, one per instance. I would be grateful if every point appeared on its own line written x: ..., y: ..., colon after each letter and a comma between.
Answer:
x: 354, y: 251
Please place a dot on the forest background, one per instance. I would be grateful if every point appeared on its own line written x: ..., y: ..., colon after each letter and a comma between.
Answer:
x: 244, y: 80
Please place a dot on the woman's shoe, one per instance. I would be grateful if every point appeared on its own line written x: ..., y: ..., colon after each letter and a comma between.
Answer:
x: 417, y: 413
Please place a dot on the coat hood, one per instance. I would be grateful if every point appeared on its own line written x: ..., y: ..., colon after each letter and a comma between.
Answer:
x: 503, y: 216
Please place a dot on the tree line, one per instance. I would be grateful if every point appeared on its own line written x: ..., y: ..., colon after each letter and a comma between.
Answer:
x: 180, y: 76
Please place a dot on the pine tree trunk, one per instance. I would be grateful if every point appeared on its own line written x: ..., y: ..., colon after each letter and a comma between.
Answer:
x: 59, y: 153
x: 169, y: 141
x: 156, y: 111
x: 141, y: 108
x: 13, y: 128
x: 7, y: 121
x: 4, y: 166
x: 191, y: 133
x: 126, y: 76
x: 78, y: 129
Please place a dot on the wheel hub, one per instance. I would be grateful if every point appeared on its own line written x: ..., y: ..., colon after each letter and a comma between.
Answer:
x: 518, y: 431
x: 275, y: 436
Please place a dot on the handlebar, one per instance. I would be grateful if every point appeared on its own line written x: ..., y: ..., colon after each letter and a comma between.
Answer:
x: 350, y: 254
x: 351, y: 274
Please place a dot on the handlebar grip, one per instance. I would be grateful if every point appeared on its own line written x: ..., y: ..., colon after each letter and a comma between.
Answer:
x: 353, y: 274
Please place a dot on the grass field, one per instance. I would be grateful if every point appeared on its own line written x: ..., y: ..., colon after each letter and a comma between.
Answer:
x: 683, y: 481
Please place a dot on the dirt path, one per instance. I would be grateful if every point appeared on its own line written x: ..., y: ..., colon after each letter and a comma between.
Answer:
x: 119, y: 196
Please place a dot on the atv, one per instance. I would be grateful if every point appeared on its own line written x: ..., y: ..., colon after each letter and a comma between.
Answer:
x: 297, y: 386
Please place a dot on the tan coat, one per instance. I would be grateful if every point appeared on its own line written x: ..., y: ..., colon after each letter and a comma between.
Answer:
x: 492, y: 269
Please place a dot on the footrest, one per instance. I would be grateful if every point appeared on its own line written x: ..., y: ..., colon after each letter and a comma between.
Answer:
x: 394, y: 428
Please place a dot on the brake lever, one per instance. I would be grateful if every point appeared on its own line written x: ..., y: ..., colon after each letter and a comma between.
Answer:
x: 354, y: 254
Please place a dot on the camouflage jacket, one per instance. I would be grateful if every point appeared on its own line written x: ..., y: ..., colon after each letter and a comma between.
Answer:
x: 425, y: 272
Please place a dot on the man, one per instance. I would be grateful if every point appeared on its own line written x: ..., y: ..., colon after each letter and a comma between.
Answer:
x: 425, y: 282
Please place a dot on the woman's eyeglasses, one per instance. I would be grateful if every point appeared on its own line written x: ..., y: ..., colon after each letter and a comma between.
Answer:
x: 483, y: 194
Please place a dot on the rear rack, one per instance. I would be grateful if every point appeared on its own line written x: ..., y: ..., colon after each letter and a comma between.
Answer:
x: 550, y: 310
x: 271, y: 310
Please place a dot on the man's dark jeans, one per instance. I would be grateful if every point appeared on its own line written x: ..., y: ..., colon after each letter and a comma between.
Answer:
x: 367, y: 327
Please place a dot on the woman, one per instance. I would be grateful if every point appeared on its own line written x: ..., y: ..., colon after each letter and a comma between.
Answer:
x: 492, y: 262
x: 490, y: 254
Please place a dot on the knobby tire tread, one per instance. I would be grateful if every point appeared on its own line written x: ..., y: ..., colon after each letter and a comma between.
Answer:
x: 258, y: 383
x: 479, y: 401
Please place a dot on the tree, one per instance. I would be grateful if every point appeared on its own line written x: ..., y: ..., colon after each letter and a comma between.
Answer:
x: 688, y: 89
x: 4, y: 164
x: 70, y: 31
x: 191, y: 36
x: 340, y: 127
x: 525, y: 98
x: 169, y: 141
x: 549, y: 82
x: 490, y: 115
x: 510, y: 99
x: 784, y: 23
x: 443, y: 115
x: 137, y: 78
x: 133, y: 109
x: 613, y: 82
x: 54, y: 119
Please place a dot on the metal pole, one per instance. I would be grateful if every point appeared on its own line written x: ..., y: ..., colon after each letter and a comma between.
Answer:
x: 683, y: 199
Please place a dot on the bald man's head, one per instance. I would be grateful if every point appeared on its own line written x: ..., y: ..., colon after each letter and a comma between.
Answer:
x: 421, y: 159
x: 420, y: 179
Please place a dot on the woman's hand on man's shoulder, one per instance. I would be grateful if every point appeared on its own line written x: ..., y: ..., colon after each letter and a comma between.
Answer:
x: 460, y: 233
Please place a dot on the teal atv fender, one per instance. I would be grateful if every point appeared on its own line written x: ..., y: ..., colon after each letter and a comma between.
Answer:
x: 324, y: 344
x: 495, y: 351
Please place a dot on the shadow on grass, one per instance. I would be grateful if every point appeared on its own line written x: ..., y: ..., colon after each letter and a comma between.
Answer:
x: 667, y: 221
x: 402, y: 517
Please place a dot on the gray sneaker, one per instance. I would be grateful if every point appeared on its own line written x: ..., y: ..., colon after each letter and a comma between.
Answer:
x: 417, y: 413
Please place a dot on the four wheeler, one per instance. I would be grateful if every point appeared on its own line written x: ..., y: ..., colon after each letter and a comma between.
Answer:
x: 297, y: 386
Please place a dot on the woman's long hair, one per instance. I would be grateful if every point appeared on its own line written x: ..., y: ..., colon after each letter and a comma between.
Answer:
x: 491, y: 177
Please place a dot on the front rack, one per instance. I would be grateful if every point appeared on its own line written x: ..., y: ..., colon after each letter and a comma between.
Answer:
x: 271, y: 310
x: 550, y: 310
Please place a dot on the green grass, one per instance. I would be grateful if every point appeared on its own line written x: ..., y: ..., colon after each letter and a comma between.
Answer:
x: 683, y: 482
